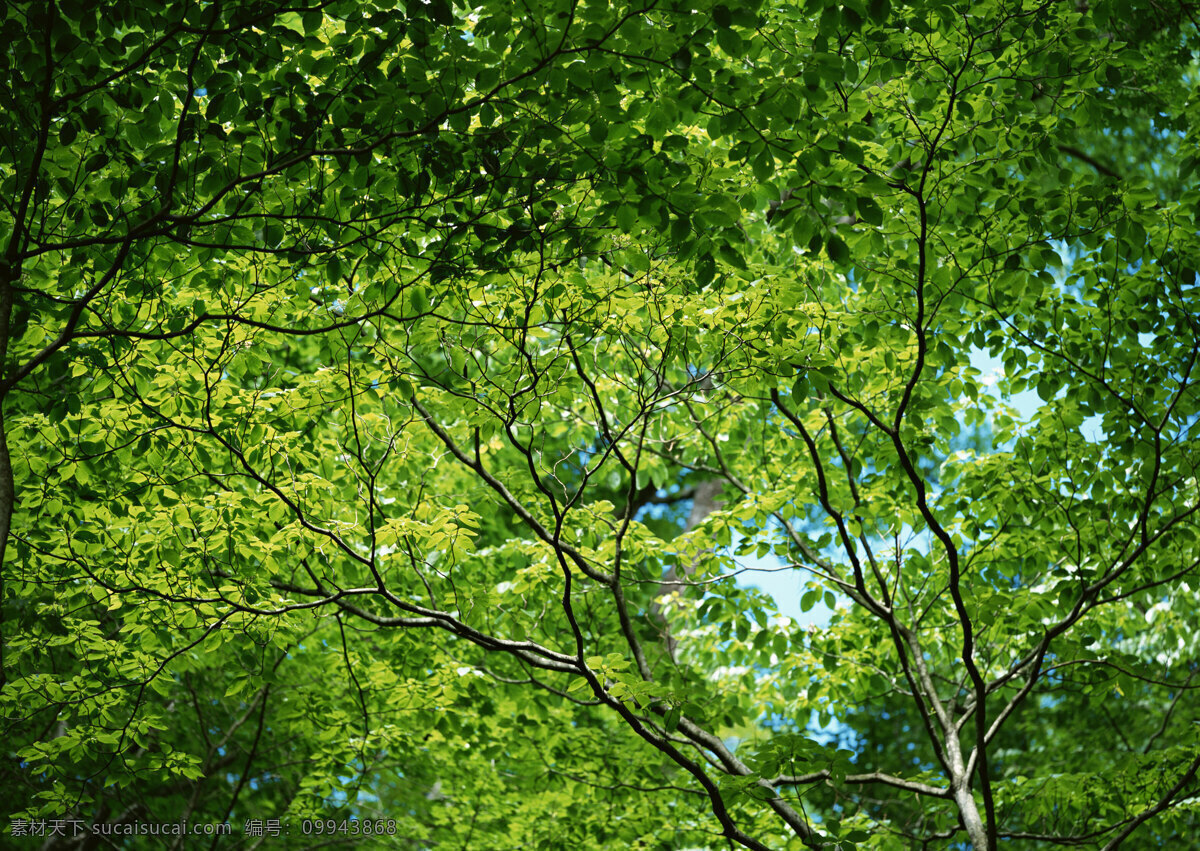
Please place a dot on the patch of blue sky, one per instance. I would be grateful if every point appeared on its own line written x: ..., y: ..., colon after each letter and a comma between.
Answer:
x: 782, y: 583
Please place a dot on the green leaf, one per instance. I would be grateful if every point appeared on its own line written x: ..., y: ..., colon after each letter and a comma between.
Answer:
x: 837, y: 250
x: 312, y: 21
x: 681, y: 228
x: 403, y: 388
x: 801, y: 390
x: 577, y: 685
x: 730, y: 42
x: 626, y: 217
x: 418, y: 299
x: 439, y: 11
x: 869, y: 211
x: 764, y: 166
x: 272, y: 234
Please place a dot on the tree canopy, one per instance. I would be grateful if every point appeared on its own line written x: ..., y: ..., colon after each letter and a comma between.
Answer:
x: 391, y: 395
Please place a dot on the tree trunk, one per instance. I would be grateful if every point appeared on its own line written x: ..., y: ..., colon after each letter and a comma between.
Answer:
x: 705, y: 502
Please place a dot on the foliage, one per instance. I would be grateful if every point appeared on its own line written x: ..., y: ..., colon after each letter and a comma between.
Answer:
x: 389, y: 390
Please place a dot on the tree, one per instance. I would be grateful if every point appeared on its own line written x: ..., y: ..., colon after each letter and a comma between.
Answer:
x: 388, y: 392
